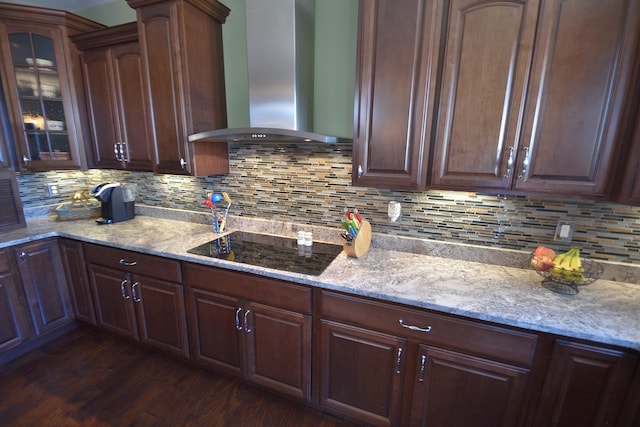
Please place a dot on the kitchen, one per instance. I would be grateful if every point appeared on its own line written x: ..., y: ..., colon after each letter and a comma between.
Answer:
x: 311, y: 185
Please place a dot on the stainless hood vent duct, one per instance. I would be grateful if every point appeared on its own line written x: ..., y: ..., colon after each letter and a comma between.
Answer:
x: 280, y: 49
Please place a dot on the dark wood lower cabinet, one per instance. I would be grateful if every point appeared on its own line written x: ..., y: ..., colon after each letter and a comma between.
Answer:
x: 75, y: 269
x: 114, y: 310
x: 586, y: 385
x: 14, y: 320
x: 252, y: 327
x: 376, y: 362
x: 456, y: 389
x: 44, y: 285
x: 361, y: 373
x: 131, y: 301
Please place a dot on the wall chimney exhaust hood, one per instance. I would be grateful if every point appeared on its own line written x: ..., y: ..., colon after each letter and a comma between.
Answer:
x: 280, y: 49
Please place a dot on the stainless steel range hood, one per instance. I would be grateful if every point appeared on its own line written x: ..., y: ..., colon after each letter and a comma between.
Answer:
x: 280, y: 48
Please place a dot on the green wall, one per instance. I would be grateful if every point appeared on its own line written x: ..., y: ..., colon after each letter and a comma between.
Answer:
x: 114, y: 13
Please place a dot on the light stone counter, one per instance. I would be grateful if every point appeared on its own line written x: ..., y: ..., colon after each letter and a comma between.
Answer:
x: 606, y: 311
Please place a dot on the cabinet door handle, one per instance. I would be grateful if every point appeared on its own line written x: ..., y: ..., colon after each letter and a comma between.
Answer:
x: 136, y: 298
x: 360, y: 171
x: 115, y: 151
x: 23, y: 256
x: 247, y: 329
x: 525, y: 164
x: 423, y: 362
x: 25, y: 159
x: 127, y: 263
x: 238, y: 326
x: 124, y: 155
x: 510, y: 161
x: 398, y: 360
x: 122, y: 289
x: 183, y: 162
x: 415, y: 328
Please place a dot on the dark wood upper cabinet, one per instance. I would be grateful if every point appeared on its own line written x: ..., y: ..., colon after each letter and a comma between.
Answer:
x: 181, y: 47
x: 543, y: 120
x: 42, y: 85
x: 398, y: 46
x: 116, y: 98
x: 483, y: 88
x: 627, y: 188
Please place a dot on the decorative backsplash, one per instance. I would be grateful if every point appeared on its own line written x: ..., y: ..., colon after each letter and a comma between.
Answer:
x: 311, y: 184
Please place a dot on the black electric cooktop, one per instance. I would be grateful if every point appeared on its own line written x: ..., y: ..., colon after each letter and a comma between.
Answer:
x: 263, y: 250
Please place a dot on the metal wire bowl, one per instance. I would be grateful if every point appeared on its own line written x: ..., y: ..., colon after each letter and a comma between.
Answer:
x: 592, y: 272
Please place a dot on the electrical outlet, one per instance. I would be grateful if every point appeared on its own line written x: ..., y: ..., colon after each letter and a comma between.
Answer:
x: 564, y: 231
x: 53, y: 190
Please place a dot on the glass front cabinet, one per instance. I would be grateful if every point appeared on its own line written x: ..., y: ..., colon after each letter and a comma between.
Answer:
x: 39, y: 77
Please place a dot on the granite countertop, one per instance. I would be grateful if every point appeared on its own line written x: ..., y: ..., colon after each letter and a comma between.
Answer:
x: 606, y: 311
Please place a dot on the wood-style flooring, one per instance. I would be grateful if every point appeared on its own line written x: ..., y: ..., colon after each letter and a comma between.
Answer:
x: 92, y: 378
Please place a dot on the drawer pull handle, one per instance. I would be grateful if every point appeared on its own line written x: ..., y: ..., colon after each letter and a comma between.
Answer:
x: 238, y: 327
x: 398, y: 360
x: 423, y: 360
x: 122, y: 290
x: 415, y: 328
x: 127, y: 263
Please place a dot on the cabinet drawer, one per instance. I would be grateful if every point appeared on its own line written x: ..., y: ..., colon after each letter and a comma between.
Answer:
x: 134, y: 262
x: 276, y: 293
x: 446, y: 331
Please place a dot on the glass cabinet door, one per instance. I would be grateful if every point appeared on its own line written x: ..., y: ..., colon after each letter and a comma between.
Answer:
x: 38, y: 90
x: 40, y: 97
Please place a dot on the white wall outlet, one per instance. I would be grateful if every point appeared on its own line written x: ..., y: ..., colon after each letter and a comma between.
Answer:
x: 53, y: 190
x: 564, y: 231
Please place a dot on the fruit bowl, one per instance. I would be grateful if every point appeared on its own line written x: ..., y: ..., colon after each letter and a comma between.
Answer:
x: 555, y: 281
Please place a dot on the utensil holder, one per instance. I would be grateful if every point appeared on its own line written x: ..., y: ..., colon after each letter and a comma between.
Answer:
x: 360, y: 243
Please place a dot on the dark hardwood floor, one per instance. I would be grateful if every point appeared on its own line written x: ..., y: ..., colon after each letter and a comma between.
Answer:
x: 92, y: 378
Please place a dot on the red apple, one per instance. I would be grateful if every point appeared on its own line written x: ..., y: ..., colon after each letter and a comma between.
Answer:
x: 541, y: 263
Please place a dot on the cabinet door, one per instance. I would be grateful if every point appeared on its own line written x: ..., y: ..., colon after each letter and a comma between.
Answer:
x: 78, y: 280
x: 39, y: 96
x: 101, y: 102
x: 14, y: 321
x: 483, y: 87
x: 278, y: 349
x: 631, y: 412
x: 574, y: 114
x: 361, y: 373
x: 132, y: 107
x: 395, y: 86
x: 215, y: 331
x: 585, y: 385
x: 185, y: 80
x: 44, y: 285
x: 160, y: 314
x: 112, y: 297
x: 455, y: 389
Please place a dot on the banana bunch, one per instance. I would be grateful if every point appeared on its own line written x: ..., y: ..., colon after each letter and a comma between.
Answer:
x: 567, y: 266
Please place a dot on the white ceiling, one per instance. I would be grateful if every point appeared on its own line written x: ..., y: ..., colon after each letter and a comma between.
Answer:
x: 69, y: 5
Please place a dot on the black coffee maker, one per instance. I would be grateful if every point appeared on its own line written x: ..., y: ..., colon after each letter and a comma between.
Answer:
x: 117, y: 202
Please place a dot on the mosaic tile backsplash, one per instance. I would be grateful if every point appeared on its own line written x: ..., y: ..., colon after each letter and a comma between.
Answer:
x: 311, y: 184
